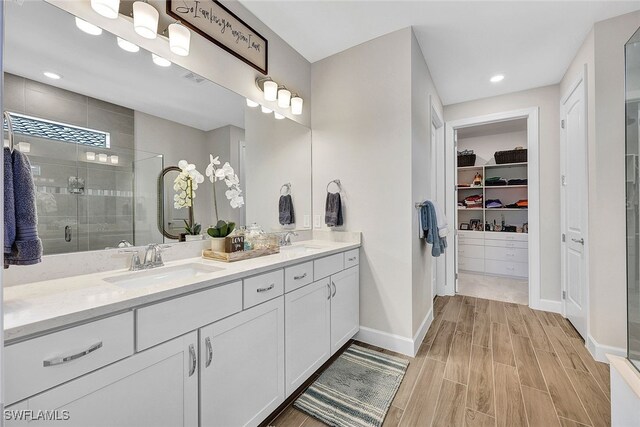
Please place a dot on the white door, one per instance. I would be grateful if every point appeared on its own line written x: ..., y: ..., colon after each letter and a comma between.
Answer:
x: 345, y: 303
x: 307, y: 331
x: 434, y: 197
x: 574, y: 205
x: 154, y: 388
x: 242, y: 366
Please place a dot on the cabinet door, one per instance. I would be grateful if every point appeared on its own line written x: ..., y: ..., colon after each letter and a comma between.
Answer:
x: 307, y: 331
x: 345, y: 307
x: 242, y: 366
x: 158, y: 387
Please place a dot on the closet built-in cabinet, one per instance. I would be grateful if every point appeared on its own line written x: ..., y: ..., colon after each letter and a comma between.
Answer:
x: 224, y: 356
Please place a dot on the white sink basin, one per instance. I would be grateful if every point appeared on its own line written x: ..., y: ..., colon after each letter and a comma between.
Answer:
x: 161, y: 275
x: 300, y: 248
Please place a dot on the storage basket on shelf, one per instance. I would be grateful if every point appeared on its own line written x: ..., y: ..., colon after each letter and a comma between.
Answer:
x: 510, y: 156
x: 466, y: 160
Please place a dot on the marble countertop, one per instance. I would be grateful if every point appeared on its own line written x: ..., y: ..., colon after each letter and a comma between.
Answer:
x: 34, y: 308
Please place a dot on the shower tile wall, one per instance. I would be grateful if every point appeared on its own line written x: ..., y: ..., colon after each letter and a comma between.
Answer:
x: 103, y: 215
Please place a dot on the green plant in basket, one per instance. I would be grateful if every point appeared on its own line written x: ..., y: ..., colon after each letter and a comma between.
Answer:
x: 221, y: 229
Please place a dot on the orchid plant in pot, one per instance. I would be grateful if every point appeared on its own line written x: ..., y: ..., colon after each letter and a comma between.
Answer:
x: 234, y: 194
x: 185, y: 186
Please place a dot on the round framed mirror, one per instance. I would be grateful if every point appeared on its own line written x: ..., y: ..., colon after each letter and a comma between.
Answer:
x: 171, y: 220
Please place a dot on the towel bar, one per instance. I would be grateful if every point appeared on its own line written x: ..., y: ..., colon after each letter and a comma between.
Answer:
x: 287, y: 189
x: 336, y: 182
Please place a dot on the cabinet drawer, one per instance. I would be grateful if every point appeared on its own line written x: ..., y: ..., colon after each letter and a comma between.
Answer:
x: 506, y: 268
x: 351, y: 258
x: 298, y: 276
x: 258, y: 289
x: 471, y: 238
x: 494, y: 235
x: 471, y: 264
x: 166, y: 320
x: 325, y: 267
x: 506, y: 254
x: 471, y: 251
x: 41, y: 363
x: 507, y: 243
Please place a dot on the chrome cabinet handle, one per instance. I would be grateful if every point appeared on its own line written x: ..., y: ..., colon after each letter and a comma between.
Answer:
x: 300, y: 277
x: 65, y: 359
x: 351, y: 259
x: 268, y: 288
x: 194, y: 361
x: 207, y: 342
x: 334, y: 290
x: 581, y: 241
x: 329, y: 288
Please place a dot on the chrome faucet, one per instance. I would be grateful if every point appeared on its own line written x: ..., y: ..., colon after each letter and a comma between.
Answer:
x: 152, y: 257
x: 286, y: 239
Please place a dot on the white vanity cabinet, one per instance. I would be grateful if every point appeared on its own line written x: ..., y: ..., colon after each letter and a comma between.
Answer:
x: 157, y: 387
x: 242, y: 366
x: 345, y: 307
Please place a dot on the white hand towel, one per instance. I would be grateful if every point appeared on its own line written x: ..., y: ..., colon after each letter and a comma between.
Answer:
x: 443, y: 224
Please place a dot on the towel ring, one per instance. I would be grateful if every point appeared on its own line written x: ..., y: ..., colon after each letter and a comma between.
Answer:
x: 336, y: 182
x: 7, y: 117
x: 287, y: 189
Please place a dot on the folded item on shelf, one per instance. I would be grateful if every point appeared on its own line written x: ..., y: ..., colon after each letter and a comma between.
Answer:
x: 474, y: 201
x: 517, y: 181
x: 495, y: 181
x: 520, y: 204
x: 493, y: 204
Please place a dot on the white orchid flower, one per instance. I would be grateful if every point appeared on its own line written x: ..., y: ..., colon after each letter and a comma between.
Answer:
x: 182, y: 164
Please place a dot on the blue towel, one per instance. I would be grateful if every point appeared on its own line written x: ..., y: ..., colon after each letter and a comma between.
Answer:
x: 9, y: 206
x: 429, y: 224
x: 27, y: 247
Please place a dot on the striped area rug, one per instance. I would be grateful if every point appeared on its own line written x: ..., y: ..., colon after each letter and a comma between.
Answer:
x: 356, y: 390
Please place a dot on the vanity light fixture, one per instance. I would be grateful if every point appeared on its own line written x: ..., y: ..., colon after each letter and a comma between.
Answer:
x: 296, y: 105
x: 102, y: 158
x: 160, y: 61
x: 91, y: 155
x: 127, y: 45
x: 179, y: 39
x: 252, y: 104
x: 87, y: 27
x: 114, y: 160
x: 52, y: 75
x: 497, y: 78
x: 266, y: 110
x: 278, y: 116
x: 107, y: 8
x: 145, y: 20
x: 284, y: 97
x: 268, y: 87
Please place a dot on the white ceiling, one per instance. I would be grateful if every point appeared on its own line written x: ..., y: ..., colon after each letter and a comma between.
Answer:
x: 463, y: 42
x: 40, y: 37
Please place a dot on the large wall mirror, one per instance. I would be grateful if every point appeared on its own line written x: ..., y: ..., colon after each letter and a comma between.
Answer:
x: 100, y: 123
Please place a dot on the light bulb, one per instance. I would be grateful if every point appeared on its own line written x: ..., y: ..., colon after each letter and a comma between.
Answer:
x: 87, y: 27
x: 252, y: 104
x: 284, y: 97
x: 114, y: 160
x: 266, y: 110
x: 145, y: 20
x: 278, y: 116
x: 91, y: 155
x: 107, y: 8
x: 179, y: 39
x: 24, y: 147
x: 127, y: 45
x: 497, y: 78
x: 270, y: 90
x: 296, y: 105
x: 102, y: 158
x: 160, y: 61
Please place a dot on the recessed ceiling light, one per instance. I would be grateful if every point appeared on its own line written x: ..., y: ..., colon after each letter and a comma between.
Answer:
x: 497, y: 78
x: 127, y: 45
x: 160, y: 61
x: 52, y: 75
x: 87, y: 27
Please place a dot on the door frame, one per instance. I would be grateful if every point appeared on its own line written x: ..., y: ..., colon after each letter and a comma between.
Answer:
x: 437, y: 192
x: 581, y: 79
x: 533, y: 176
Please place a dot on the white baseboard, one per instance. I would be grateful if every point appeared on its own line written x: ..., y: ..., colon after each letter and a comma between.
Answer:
x: 600, y: 351
x: 548, y: 305
x: 394, y: 342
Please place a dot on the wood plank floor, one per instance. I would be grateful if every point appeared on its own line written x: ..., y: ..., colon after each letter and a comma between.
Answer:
x: 490, y: 363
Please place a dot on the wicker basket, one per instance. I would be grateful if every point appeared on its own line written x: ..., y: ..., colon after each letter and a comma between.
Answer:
x: 511, y: 156
x: 466, y: 160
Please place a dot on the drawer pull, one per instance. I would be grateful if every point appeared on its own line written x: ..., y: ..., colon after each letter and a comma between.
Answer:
x: 65, y: 359
x: 193, y: 360
x: 268, y: 288
x: 300, y: 277
x: 351, y: 259
x: 334, y: 290
x: 207, y: 342
x: 329, y: 288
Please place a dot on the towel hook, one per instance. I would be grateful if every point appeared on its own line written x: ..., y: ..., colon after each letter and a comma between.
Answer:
x: 287, y: 189
x: 7, y: 117
x: 336, y: 182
